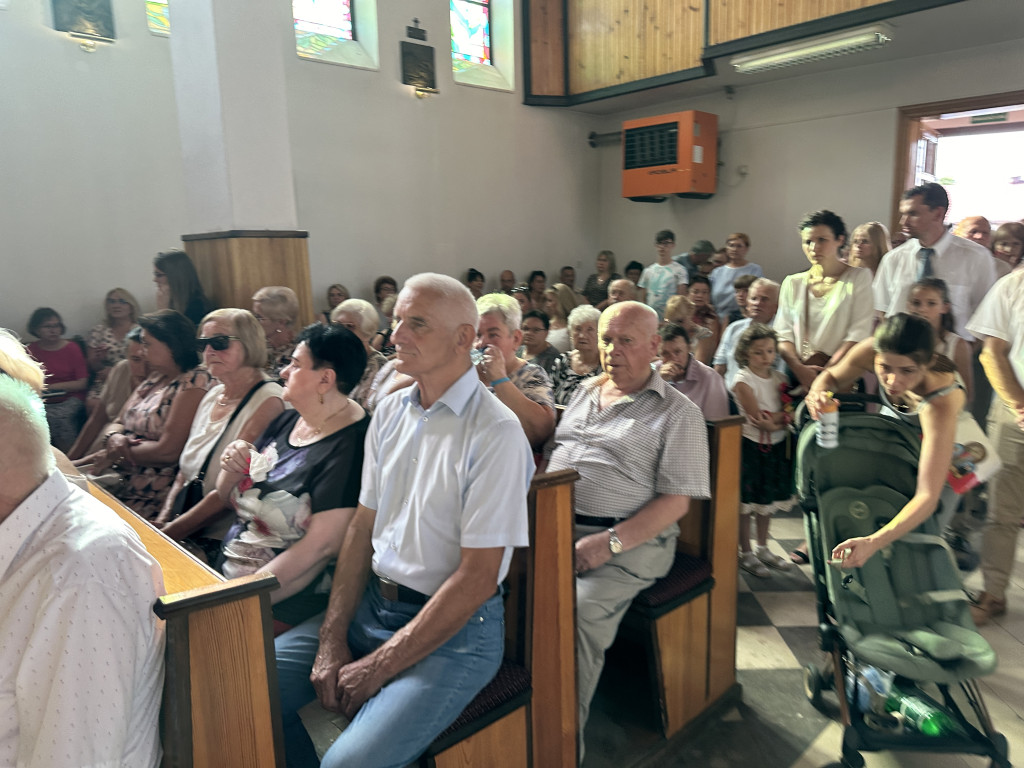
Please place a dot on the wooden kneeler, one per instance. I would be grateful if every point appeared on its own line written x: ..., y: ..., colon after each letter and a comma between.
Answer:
x: 689, y: 616
x: 527, y: 715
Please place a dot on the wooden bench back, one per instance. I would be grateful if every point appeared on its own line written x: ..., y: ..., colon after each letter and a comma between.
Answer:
x: 220, y: 705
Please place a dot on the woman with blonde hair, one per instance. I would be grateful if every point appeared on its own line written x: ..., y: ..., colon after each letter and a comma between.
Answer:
x: 336, y: 293
x: 868, y: 244
x: 238, y: 407
x: 276, y: 307
x: 559, y: 300
x: 107, y: 344
x: 596, y: 289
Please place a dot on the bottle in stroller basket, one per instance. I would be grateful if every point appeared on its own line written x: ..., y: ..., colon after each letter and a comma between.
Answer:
x: 920, y: 712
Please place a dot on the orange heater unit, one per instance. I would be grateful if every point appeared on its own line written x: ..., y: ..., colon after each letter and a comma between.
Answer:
x: 675, y: 154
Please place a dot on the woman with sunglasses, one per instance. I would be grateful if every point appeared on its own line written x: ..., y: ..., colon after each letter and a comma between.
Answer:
x: 139, y: 462
x: 107, y: 344
x: 238, y: 407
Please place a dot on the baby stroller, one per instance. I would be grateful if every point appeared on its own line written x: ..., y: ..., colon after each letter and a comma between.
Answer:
x: 904, y: 612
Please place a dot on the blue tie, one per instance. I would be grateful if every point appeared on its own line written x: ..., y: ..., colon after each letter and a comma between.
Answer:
x: 924, y: 263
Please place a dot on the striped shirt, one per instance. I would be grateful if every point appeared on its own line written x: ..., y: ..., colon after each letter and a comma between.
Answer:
x: 643, y: 445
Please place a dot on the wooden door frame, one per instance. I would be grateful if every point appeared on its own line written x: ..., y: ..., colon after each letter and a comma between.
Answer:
x: 910, y: 116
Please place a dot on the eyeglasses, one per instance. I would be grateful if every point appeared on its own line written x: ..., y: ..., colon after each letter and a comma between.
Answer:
x: 117, y: 301
x: 528, y: 329
x: 218, y: 343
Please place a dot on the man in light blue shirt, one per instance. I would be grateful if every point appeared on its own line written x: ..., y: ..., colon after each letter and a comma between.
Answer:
x: 762, y: 304
x: 414, y: 628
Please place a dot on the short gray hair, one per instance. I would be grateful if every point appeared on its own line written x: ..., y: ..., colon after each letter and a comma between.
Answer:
x: 584, y: 313
x: 278, y: 302
x: 461, y: 309
x: 23, y: 420
x: 504, y: 305
x: 764, y: 282
x: 368, y: 316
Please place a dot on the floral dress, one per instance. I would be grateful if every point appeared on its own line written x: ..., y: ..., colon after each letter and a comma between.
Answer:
x: 145, y: 415
x: 102, y: 335
x: 287, y: 485
x: 565, y: 380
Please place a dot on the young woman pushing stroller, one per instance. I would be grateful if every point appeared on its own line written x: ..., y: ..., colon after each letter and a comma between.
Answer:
x: 920, y: 388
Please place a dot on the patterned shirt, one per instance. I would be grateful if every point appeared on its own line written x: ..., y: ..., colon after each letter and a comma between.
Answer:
x: 81, y: 651
x: 533, y: 382
x: 643, y: 445
x: 661, y: 281
x: 565, y: 380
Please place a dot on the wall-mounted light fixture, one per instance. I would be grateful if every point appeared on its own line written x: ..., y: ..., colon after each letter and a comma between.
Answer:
x: 418, y: 63
x: 815, y: 49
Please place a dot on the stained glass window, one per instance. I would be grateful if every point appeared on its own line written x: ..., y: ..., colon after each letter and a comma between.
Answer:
x: 471, y: 32
x: 321, y: 25
x: 157, y: 18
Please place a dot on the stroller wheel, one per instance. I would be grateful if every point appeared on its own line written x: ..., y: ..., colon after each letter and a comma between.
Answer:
x: 812, y: 684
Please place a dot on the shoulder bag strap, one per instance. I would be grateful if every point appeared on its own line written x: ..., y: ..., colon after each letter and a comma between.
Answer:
x: 245, y: 401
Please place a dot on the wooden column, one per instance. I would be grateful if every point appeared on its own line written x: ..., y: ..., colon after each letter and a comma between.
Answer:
x: 233, y: 265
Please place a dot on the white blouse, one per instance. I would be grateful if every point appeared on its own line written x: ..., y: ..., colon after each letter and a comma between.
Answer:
x: 844, y: 314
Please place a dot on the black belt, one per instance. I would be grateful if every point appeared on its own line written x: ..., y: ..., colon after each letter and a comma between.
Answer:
x: 604, y: 522
x: 394, y: 591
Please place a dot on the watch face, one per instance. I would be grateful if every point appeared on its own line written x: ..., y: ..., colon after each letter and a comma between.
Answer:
x: 614, y: 544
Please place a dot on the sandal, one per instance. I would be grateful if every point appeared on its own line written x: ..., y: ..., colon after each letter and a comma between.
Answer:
x: 799, y: 557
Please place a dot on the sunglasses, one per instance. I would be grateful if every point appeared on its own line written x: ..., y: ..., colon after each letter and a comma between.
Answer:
x: 219, y: 343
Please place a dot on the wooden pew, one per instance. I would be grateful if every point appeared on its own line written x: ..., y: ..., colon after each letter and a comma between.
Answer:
x: 689, y: 618
x: 497, y: 729
x: 220, y: 705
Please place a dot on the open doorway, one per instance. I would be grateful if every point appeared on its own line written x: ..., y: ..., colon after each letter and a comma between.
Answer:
x: 974, y: 147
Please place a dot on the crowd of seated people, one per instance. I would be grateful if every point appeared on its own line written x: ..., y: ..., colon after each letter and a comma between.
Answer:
x: 242, y: 435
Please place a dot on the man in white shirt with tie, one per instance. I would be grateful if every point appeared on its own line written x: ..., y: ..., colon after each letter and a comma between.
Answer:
x: 932, y: 251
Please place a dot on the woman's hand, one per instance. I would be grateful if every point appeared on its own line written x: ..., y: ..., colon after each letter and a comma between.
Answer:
x: 118, y: 448
x: 853, y: 553
x: 236, y: 457
x: 492, y: 367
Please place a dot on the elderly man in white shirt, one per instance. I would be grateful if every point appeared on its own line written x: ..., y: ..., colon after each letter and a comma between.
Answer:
x: 968, y: 268
x: 414, y: 628
x: 81, y: 660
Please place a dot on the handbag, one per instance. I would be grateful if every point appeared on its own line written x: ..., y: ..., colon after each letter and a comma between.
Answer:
x: 193, y: 493
x: 974, y: 457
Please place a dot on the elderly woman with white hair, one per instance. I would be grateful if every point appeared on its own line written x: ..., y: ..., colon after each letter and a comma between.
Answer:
x: 362, y: 318
x: 583, y: 360
x: 524, y: 387
x: 277, y: 309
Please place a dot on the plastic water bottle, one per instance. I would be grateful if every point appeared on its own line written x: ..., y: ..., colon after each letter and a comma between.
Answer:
x: 828, y: 424
x: 923, y: 714
x: 872, y: 687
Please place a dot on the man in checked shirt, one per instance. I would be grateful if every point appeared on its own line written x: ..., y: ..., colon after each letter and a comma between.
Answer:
x: 641, y: 450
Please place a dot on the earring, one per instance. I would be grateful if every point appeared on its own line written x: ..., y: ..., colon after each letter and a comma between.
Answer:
x: 321, y: 396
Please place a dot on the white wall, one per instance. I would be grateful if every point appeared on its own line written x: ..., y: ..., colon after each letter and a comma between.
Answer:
x: 823, y: 141
x: 92, y: 185
x: 90, y: 172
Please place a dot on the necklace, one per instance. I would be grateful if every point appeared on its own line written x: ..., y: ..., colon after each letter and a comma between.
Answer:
x: 304, y: 441
x: 223, y: 399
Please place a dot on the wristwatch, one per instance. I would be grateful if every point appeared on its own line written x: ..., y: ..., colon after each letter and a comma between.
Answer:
x: 614, y: 542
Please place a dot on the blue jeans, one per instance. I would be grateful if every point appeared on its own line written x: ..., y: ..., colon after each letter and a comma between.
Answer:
x: 396, y: 725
